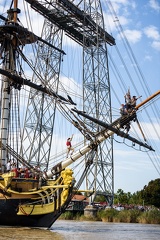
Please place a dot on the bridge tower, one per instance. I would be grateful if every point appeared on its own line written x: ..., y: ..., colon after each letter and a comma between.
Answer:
x: 97, y: 100
x: 83, y: 21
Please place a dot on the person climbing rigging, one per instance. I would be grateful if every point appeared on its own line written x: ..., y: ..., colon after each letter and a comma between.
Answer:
x: 134, y: 100
x: 123, y: 109
x: 69, y: 146
x: 127, y: 100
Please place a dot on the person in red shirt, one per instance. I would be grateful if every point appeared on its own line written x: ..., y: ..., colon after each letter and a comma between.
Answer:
x: 69, y: 146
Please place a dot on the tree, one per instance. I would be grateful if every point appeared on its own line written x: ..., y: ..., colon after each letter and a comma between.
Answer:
x: 122, y: 197
x: 151, y: 193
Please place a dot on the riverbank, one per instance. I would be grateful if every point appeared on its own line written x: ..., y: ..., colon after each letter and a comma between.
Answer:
x: 112, y: 215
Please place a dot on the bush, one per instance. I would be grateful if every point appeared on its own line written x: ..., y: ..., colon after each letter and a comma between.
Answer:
x: 112, y: 215
x: 128, y: 216
x: 152, y: 217
x: 134, y: 215
x: 107, y: 215
x: 124, y: 216
x: 67, y: 216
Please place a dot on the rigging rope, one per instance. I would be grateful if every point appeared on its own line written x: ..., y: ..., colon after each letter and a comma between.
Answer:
x: 138, y: 72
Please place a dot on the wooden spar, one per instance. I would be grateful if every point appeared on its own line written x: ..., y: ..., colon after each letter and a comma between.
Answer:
x: 22, y: 81
x: 141, y: 130
x: 147, y: 100
x: 110, y: 130
x: 104, y: 134
x: 15, y: 12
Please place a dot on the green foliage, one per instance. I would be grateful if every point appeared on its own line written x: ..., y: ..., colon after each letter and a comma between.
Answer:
x: 107, y: 215
x: 89, y: 218
x: 122, y: 197
x: 150, y: 195
x: 112, y: 215
x: 152, y: 217
x: 130, y: 216
x: 124, y: 216
x: 100, y: 198
x: 68, y: 215
x: 134, y: 214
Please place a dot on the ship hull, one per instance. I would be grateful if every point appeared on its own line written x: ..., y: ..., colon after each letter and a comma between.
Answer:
x: 9, y: 217
x: 23, y: 205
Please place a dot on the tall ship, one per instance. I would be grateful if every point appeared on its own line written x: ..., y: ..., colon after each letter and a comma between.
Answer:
x: 36, y: 188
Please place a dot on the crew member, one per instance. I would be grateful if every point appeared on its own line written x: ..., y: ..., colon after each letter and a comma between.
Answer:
x: 133, y: 101
x: 123, y: 109
x: 128, y: 100
x: 69, y: 146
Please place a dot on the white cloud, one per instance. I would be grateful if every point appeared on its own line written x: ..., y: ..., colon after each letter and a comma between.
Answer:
x: 123, y: 20
x: 111, y: 22
x: 124, y: 2
x: 124, y: 5
x: 156, y: 45
x: 155, y: 5
x: 152, y: 32
x: 133, y: 36
x: 151, y: 131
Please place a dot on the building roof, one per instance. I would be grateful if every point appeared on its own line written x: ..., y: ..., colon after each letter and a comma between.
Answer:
x: 80, y: 198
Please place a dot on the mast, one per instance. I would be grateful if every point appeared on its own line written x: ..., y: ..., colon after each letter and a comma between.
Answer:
x: 9, y: 65
x: 147, y: 100
x: 15, y: 11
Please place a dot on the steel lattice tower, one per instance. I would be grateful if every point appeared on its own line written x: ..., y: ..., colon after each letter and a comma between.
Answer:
x: 82, y: 20
x: 97, y: 103
x: 41, y: 110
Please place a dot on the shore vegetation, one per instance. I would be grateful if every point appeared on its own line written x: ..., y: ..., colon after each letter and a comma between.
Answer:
x: 112, y: 215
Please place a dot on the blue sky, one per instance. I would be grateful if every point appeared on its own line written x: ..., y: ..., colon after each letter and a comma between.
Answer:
x: 140, y: 21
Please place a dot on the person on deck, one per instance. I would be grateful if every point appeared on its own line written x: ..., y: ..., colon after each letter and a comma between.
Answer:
x: 69, y: 146
x: 15, y: 170
x: 8, y: 165
x: 22, y: 171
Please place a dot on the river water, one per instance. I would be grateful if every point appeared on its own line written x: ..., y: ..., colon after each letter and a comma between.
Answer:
x: 77, y: 230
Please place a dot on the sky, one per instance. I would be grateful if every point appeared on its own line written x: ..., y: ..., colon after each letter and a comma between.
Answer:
x: 139, y: 21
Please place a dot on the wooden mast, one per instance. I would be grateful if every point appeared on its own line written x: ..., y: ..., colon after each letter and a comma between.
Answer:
x: 15, y: 11
x: 147, y: 100
x: 9, y: 65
